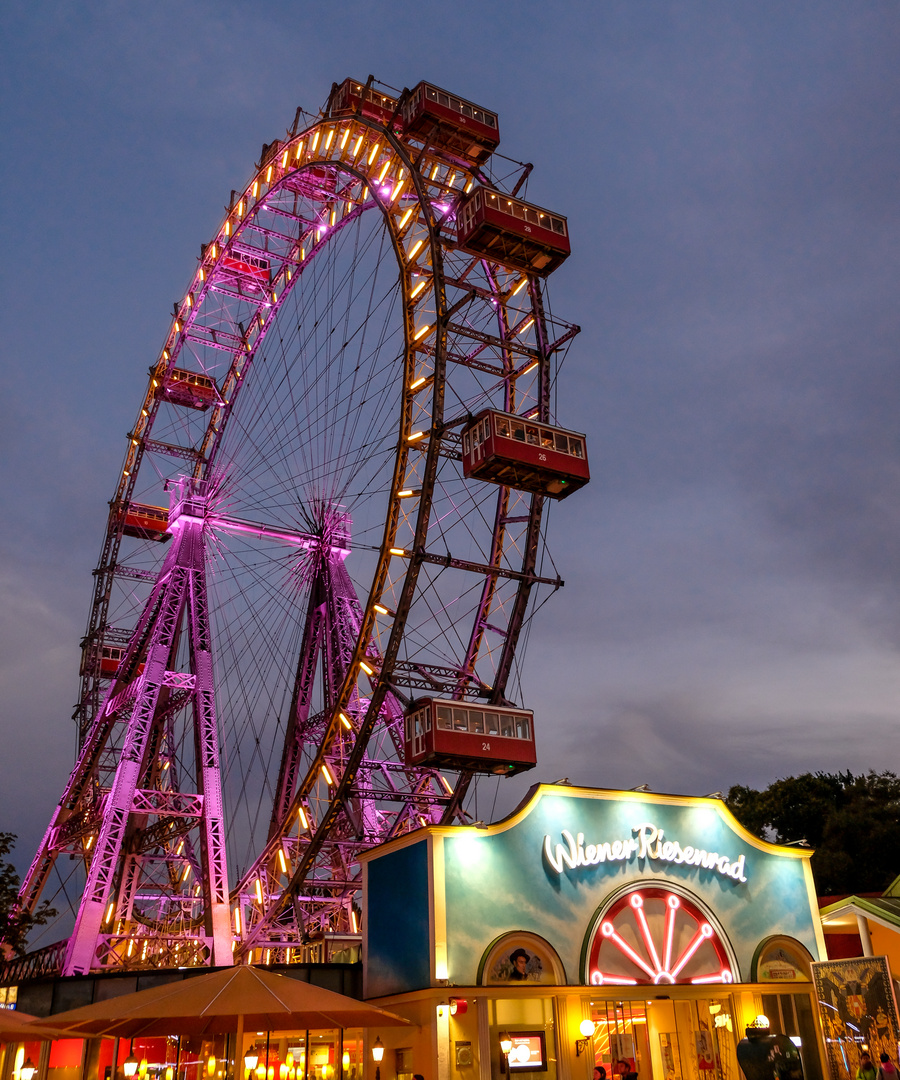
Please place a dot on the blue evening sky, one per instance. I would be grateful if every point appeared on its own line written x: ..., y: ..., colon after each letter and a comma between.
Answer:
x: 731, y: 176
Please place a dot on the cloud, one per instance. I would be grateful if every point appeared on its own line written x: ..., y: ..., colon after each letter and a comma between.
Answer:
x: 730, y: 180
x: 38, y: 665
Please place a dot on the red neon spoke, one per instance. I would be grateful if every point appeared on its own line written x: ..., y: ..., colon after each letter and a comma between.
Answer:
x: 609, y: 932
x: 672, y: 906
x: 704, y: 933
x: 723, y: 976
x: 637, y: 906
x: 600, y: 978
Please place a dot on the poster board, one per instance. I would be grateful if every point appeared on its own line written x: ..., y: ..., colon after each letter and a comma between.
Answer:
x: 856, y: 1006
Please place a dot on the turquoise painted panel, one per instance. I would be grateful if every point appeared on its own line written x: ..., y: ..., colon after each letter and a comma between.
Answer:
x: 551, y: 872
x: 398, y: 954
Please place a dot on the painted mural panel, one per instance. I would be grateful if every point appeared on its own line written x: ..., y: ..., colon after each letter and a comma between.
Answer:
x: 553, y: 868
x: 398, y: 936
x: 856, y: 1007
x: 521, y: 958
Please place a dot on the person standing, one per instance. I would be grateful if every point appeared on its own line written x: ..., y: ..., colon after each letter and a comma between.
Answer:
x: 886, y: 1070
x: 625, y: 1071
x: 866, y: 1070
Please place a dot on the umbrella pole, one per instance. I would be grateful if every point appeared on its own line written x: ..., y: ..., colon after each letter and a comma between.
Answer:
x: 177, y: 1057
x: 239, y: 1049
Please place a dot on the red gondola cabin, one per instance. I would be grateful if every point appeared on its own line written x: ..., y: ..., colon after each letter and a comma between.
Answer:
x: 463, y: 735
x: 189, y: 388
x: 111, y: 657
x: 512, y: 232
x: 146, y: 522
x: 450, y: 123
x: 244, y: 264
x: 524, y: 454
x: 353, y: 98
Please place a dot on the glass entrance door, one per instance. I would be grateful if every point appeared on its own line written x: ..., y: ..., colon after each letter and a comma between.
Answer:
x: 620, y: 1039
x: 665, y: 1039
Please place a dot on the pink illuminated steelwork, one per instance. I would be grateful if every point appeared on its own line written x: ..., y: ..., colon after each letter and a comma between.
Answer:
x: 319, y: 369
x: 154, y: 843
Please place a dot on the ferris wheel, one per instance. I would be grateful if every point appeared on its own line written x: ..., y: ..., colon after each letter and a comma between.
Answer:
x: 331, y: 509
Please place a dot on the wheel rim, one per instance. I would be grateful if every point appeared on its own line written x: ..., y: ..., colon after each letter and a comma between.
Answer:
x: 321, y: 430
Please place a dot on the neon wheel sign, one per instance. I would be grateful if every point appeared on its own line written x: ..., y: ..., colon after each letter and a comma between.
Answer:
x: 656, y: 936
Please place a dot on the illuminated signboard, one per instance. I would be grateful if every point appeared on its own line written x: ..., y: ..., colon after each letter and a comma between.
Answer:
x: 646, y: 842
x: 528, y: 1053
x: 528, y: 899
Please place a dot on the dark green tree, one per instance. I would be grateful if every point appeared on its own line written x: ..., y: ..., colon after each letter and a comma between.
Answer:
x: 853, y: 822
x: 15, y: 926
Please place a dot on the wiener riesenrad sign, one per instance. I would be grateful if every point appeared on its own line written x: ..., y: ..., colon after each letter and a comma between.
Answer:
x: 647, y: 842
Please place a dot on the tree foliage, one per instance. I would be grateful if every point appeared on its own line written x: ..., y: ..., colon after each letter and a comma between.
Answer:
x: 15, y: 926
x: 853, y: 822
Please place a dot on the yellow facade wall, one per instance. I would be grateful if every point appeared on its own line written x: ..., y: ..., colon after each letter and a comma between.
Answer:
x: 886, y: 942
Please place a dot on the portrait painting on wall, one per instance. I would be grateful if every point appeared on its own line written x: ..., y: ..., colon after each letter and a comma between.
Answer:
x: 519, y: 965
x: 523, y: 959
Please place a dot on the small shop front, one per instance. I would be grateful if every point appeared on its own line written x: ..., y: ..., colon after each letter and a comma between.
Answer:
x: 324, y: 1054
x: 637, y: 933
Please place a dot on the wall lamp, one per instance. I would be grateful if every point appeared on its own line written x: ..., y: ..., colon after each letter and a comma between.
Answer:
x: 587, y: 1029
x: 28, y: 1070
x: 377, y: 1055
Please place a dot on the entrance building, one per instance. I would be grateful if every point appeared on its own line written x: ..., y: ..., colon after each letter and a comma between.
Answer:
x: 637, y: 932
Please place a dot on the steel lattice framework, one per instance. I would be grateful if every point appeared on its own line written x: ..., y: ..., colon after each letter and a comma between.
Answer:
x: 328, y: 563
